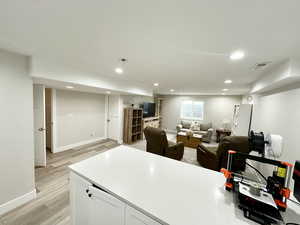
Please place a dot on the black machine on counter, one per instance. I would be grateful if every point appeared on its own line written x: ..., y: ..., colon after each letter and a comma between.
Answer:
x: 296, y: 177
x: 261, y: 202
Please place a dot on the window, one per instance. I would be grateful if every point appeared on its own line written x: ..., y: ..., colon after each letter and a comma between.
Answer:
x: 192, y: 110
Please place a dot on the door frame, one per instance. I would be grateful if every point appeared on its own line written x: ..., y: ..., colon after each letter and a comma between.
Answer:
x: 106, y: 117
x: 53, y: 120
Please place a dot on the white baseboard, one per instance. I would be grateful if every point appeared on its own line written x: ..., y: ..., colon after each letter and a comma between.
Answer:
x: 78, y: 144
x: 12, y: 204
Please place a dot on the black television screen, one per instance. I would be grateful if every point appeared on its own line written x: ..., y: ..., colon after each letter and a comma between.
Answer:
x: 148, y: 109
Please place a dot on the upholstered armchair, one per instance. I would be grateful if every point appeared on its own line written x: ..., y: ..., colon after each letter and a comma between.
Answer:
x: 158, y: 143
x: 215, y: 158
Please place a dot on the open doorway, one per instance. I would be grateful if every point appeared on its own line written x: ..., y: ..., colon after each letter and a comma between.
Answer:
x: 39, y: 125
x: 49, y: 122
x: 43, y: 124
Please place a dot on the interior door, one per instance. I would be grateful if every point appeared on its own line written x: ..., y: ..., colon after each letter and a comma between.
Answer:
x: 113, y: 117
x: 39, y: 124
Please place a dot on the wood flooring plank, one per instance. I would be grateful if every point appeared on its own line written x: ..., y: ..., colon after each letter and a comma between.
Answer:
x: 52, y: 205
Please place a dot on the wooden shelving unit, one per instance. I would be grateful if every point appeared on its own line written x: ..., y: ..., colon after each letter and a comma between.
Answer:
x: 133, y: 125
x: 158, y: 101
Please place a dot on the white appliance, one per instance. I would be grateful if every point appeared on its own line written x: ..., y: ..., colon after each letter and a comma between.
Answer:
x: 242, y: 117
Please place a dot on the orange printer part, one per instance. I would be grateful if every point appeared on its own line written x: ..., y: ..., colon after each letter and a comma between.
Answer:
x: 226, y: 173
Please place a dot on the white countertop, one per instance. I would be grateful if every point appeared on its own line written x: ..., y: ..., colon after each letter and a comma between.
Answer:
x: 173, y: 192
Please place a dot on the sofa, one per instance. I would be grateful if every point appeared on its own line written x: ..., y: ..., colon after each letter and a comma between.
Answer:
x: 215, y: 158
x: 205, y: 129
x: 158, y: 143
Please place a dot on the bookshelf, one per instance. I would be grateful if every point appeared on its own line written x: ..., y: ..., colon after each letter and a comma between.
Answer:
x: 133, y: 125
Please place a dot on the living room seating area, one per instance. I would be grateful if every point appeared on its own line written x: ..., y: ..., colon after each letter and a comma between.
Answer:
x: 210, y: 156
x: 195, y: 127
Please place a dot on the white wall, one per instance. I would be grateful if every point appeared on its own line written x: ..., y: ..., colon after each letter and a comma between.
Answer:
x: 279, y: 113
x: 80, y: 118
x: 216, y: 109
x: 135, y: 99
x: 16, y: 136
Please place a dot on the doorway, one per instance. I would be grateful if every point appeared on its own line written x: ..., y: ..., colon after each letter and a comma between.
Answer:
x: 39, y: 125
x: 43, y: 124
x: 48, y: 116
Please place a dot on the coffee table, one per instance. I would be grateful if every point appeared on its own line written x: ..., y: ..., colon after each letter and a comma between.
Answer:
x: 189, y: 141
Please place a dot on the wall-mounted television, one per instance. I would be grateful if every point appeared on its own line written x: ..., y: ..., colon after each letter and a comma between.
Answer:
x: 148, y: 109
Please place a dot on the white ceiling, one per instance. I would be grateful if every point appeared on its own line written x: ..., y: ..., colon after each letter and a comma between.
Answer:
x: 183, y: 45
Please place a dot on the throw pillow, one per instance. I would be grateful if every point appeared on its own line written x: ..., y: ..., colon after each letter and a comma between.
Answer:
x: 205, y: 126
x: 186, y: 124
x: 195, y: 126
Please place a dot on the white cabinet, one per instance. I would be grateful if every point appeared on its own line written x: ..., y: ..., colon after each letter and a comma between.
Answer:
x: 91, y: 205
x: 106, y: 209
x: 134, y: 217
x: 80, y: 202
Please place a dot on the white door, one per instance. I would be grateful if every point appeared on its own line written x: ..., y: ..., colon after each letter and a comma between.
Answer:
x: 113, y: 117
x: 134, y: 217
x: 106, y: 209
x: 242, y: 120
x: 39, y: 124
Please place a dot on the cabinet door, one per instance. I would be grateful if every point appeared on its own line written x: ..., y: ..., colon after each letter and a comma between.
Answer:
x: 134, y: 217
x: 80, y: 202
x: 106, y: 209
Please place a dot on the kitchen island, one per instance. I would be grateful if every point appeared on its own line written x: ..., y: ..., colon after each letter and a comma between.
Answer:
x: 126, y: 186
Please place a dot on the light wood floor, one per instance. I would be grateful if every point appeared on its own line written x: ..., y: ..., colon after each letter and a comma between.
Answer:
x: 51, y: 207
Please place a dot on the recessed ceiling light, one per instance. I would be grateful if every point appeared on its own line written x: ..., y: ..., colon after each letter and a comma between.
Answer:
x: 69, y: 87
x: 228, y: 81
x: 119, y: 70
x: 237, y: 55
x: 172, y: 90
x: 108, y: 92
x: 225, y: 89
x: 156, y: 84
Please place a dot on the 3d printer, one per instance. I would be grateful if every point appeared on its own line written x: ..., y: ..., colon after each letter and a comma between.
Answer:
x: 261, y: 202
